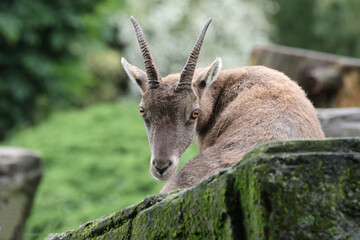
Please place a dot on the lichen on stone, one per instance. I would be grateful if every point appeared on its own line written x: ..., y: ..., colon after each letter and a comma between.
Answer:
x: 280, y: 190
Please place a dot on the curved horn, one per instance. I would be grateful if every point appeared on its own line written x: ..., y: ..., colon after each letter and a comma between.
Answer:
x: 189, y: 68
x: 152, y: 71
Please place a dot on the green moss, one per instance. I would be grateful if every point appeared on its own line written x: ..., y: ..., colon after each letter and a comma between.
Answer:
x: 272, y: 193
x: 191, y: 215
x: 302, y: 189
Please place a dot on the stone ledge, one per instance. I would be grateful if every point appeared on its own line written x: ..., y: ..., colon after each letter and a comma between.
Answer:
x: 340, y: 122
x: 280, y: 190
x: 20, y: 174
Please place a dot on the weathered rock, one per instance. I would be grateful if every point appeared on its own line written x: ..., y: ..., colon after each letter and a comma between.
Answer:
x: 20, y: 173
x: 329, y: 80
x: 280, y: 190
x: 340, y: 122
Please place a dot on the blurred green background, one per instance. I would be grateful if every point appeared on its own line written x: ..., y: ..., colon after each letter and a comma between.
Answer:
x: 64, y: 94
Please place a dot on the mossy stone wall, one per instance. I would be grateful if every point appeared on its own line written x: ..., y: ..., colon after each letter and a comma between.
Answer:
x: 280, y: 190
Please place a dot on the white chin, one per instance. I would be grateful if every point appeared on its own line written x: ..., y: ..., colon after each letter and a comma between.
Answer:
x: 163, y: 177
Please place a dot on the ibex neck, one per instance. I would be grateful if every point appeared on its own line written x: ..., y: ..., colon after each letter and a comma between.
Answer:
x: 219, y: 95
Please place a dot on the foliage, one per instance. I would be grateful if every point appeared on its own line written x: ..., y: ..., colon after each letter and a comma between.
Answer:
x: 110, y: 79
x: 101, y: 54
x: 326, y: 25
x: 96, y: 161
x: 171, y: 29
x: 41, y: 46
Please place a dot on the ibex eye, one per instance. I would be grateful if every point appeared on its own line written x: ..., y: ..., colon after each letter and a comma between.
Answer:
x: 195, y: 114
x: 142, y: 111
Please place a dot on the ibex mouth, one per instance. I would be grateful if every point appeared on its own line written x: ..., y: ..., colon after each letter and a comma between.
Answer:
x: 162, y: 169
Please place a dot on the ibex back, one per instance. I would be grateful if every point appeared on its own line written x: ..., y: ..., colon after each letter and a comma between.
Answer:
x: 232, y: 111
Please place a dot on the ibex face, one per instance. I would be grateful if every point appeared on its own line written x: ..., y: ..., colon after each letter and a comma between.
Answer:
x: 170, y: 119
x: 170, y: 107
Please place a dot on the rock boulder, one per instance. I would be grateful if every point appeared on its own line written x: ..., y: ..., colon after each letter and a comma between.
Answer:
x: 20, y: 173
x: 280, y: 190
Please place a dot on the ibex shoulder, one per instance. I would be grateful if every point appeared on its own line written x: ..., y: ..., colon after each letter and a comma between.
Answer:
x: 246, y: 95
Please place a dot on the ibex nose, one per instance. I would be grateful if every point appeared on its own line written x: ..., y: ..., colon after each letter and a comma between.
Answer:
x: 161, y: 165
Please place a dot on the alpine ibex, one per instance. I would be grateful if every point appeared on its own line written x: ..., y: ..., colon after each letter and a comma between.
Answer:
x: 232, y: 111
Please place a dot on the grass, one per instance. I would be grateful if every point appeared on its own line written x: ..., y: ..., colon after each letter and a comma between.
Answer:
x: 96, y: 161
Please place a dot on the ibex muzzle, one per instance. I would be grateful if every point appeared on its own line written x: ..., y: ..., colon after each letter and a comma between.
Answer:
x: 169, y: 108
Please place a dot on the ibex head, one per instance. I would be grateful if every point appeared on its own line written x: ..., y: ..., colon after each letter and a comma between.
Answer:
x: 170, y: 107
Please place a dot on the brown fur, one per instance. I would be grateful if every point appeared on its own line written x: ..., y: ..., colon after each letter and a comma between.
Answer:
x: 243, y: 108
x: 231, y: 110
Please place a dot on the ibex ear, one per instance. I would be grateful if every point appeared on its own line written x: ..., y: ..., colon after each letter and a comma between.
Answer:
x: 136, y: 75
x: 207, y: 77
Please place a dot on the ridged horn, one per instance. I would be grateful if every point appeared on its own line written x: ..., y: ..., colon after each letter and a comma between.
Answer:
x: 189, y: 68
x: 152, y: 71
